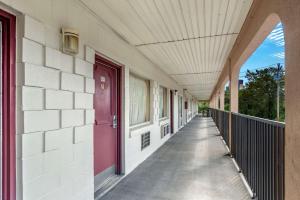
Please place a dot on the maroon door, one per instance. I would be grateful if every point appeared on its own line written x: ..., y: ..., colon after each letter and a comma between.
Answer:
x: 105, y: 128
x: 172, y: 111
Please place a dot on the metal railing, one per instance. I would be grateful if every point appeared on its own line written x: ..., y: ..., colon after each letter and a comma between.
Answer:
x: 257, y: 145
x: 221, y: 118
x: 258, y: 148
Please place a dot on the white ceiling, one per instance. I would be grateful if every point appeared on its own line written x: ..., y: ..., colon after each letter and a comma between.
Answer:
x: 189, y: 39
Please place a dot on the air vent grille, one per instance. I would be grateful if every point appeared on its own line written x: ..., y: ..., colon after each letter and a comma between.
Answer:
x: 165, y: 130
x: 145, y: 140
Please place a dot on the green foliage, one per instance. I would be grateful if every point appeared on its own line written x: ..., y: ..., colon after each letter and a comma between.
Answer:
x: 227, y: 99
x: 258, y: 98
x: 202, y: 107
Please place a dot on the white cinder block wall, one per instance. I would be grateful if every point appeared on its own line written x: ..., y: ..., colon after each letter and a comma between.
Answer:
x: 55, y: 113
x: 57, y: 103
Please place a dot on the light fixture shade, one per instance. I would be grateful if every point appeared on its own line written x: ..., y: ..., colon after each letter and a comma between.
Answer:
x: 70, y: 39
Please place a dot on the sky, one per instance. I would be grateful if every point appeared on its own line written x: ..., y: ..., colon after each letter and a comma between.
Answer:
x: 270, y: 52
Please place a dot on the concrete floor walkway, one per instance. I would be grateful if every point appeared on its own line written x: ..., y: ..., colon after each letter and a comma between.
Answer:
x: 191, y: 166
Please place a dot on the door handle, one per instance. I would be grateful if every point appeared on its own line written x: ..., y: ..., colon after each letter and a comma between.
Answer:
x: 115, y: 122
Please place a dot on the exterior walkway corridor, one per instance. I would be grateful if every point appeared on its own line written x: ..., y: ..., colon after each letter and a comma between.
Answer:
x: 192, y: 165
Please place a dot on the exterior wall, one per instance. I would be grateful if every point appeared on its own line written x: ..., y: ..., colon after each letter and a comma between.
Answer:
x: 57, y: 103
x: 55, y: 113
x: 133, y: 153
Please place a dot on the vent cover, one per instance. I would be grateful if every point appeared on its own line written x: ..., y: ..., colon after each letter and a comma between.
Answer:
x: 164, y: 130
x: 145, y: 142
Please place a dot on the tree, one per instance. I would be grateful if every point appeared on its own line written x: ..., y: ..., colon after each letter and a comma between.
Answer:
x: 258, y: 98
x: 202, y: 107
x: 227, y: 99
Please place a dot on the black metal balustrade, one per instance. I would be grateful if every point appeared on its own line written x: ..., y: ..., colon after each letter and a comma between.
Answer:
x: 221, y: 118
x: 257, y: 145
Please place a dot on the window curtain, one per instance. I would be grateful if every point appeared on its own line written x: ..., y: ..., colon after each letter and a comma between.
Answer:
x: 163, y: 102
x: 139, y: 90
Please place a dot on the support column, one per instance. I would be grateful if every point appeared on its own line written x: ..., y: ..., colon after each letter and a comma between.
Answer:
x: 210, y: 103
x: 234, y: 100
x: 234, y: 91
x: 217, y: 101
x: 222, y: 98
x: 292, y: 103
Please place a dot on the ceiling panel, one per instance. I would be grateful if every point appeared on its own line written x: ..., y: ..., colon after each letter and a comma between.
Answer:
x: 189, y: 39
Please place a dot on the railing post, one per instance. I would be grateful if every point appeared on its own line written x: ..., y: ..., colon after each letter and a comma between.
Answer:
x: 230, y: 132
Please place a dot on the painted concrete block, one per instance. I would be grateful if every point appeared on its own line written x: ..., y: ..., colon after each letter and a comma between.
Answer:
x: 52, y: 161
x: 32, y: 52
x: 83, y: 68
x: 32, y: 167
x: 89, y: 85
x: 89, y: 54
x: 32, y: 143
x: 89, y: 116
x: 84, y: 100
x: 41, y: 76
x: 83, y: 133
x: 58, y: 138
x: 41, y: 120
x: 32, y: 98
x: 39, y: 187
x: 67, y: 154
x: 58, y: 99
x: 67, y: 63
x: 58, y: 60
x: 72, y: 118
x: 72, y: 82
x: 34, y: 30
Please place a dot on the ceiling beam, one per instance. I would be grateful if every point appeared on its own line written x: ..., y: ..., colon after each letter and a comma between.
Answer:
x: 196, y: 73
x: 185, y: 39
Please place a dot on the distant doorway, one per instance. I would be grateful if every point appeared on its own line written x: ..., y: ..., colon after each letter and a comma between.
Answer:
x: 180, y: 123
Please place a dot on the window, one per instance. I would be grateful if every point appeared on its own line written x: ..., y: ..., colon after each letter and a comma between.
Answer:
x: 163, y: 102
x: 139, y: 90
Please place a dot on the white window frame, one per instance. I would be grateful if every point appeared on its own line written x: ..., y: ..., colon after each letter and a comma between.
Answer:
x: 165, y: 103
x: 148, y: 99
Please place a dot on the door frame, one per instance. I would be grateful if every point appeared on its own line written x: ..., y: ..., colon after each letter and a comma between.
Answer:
x: 103, y: 59
x: 171, y: 111
x: 180, y: 108
x: 8, y: 105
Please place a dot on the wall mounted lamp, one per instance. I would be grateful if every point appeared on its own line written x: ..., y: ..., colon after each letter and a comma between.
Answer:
x: 70, y: 40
